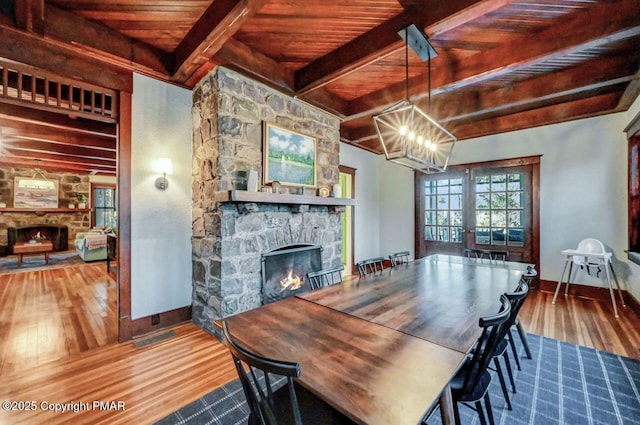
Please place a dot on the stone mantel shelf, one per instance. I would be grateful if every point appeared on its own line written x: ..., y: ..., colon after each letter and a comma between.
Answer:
x: 279, y: 198
x: 44, y: 210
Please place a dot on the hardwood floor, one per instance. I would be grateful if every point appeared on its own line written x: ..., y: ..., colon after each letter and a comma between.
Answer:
x: 156, y: 380
x: 55, y: 313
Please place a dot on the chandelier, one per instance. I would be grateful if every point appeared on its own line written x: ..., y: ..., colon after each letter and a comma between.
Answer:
x: 409, y: 136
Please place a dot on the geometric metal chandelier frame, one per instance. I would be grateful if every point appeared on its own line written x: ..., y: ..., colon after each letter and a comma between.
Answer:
x: 409, y: 136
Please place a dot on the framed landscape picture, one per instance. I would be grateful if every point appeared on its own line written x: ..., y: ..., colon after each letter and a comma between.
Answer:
x: 289, y: 157
x: 35, y: 193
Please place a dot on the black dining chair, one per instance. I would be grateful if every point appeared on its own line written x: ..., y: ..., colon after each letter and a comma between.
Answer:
x: 471, y: 382
x: 370, y: 266
x: 527, y: 278
x: 288, y: 404
x: 326, y: 277
x: 399, y: 258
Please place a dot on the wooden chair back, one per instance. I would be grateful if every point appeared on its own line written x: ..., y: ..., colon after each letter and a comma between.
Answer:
x: 259, y: 392
x: 370, y: 266
x: 326, y: 277
x: 399, y: 258
x: 484, y: 349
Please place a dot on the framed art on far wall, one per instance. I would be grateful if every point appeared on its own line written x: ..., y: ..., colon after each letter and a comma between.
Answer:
x: 289, y: 157
x: 35, y: 193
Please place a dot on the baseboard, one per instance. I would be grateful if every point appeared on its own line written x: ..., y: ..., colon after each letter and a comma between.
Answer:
x: 145, y: 325
x: 594, y: 292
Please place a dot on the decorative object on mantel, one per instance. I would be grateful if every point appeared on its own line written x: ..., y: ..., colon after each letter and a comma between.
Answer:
x: 408, y: 135
x: 252, y: 181
x: 71, y: 205
x: 3, y: 205
x: 266, y: 189
x: 82, y: 200
x: 289, y: 157
x: 324, y: 191
x: 276, y: 187
x: 337, y: 190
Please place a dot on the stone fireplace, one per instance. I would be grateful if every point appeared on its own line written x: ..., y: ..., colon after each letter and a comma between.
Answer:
x: 231, y: 236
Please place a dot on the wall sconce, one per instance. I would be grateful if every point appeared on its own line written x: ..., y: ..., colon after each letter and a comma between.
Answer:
x: 164, y: 167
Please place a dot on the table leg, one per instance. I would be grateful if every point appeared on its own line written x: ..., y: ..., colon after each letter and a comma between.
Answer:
x: 46, y: 257
x: 19, y: 260
x: 446, y: 406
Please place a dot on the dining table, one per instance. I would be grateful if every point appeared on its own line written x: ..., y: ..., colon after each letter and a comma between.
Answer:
x: 382, y: 349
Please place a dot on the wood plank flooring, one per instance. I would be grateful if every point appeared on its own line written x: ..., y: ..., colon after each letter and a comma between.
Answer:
x: 55, y: 313
x: 156, y: 380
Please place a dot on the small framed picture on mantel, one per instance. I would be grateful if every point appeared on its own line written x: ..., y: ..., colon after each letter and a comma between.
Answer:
x: 289, y: 157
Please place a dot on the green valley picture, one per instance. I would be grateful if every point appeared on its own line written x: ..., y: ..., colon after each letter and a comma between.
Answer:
x: 289, y: 157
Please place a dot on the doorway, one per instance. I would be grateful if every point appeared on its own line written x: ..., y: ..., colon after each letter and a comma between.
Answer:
x: 492, y: 205
x: 347, y: 187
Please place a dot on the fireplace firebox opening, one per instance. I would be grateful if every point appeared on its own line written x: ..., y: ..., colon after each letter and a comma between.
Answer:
x: 284, y: 271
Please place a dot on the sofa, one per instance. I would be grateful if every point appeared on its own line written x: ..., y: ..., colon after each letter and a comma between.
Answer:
x: 91, y: 246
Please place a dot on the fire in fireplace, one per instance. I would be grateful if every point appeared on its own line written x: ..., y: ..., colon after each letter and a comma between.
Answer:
x: 284, y: 271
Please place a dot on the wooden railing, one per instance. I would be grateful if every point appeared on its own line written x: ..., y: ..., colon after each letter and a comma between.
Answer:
x: 35, y: 88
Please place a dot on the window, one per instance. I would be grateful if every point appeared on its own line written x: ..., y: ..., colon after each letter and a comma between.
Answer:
x: 443, y: 210
x: 633, y: 134
x: 104, y: 206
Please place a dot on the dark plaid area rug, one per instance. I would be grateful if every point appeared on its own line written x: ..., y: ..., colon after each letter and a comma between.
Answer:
x: 36, y: 262
x: 563, y: 384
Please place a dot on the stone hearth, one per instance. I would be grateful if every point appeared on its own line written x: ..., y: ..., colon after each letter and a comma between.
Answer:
x: 229, y: 238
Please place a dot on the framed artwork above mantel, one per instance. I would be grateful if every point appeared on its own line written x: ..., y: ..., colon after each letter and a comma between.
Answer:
x: 289, y: 157
x: 34, y: 193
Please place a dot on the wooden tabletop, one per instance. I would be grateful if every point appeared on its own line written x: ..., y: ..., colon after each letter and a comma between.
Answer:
x: 439, y: 298
x: 373, y: 374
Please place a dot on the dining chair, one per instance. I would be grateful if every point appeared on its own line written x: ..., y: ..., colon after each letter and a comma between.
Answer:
x: 516, y: 299
x: 370, y: 266
x: 399, y: 258
x: 271, y: 404
x: 529, y: 278
x: 471, y: 382
x: 326, y: 277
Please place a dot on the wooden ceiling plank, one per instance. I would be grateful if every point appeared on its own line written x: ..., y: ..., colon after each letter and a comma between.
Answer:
x: 384, y: 40
x: 108, y: 146
x: 44, y: 145
x: 215, y: 27
x: 40, y: 52
x: 89, y: 162
x: 54, y: 120
x: 110, y: 46
x: 12, y: 161
x: 578, y: 34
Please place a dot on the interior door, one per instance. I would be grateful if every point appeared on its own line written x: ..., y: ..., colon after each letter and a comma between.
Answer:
x: 499, y: 211
x: 490, y: 206
x: 441, y: 214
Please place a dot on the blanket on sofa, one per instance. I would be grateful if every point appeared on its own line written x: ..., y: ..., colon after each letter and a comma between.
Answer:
x: 95, y: 240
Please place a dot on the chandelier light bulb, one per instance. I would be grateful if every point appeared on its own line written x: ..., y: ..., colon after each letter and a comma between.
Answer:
x: 412, y: 135
x: 403, y: 130
x: 420, y: 140
x: 433, y: 147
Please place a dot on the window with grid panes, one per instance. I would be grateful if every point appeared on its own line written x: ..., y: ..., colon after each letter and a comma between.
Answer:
x: 443, y: 210
x: 500, y: 209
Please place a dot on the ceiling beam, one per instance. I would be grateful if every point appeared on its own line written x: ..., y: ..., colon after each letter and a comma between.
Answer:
x: 215, y: 27
x: 29, y: 162
x: 94, y: 40
x: 239, y: 56
x: 384, y: 40
x: 451, y: 108
x: 576, y: 35
x: 51, y: 120
x: 631, y: 93
x: 60, y: 59
x: 562, y: 112
x: 88, y: 162
x: 29, y: 15
x: 40, y: 145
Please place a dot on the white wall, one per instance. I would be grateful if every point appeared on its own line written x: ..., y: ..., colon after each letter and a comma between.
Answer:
x: 583, y: 191
x: 367, y: 193
x: 160, y: 220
